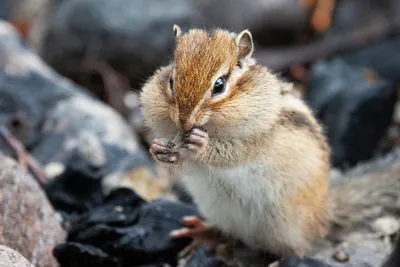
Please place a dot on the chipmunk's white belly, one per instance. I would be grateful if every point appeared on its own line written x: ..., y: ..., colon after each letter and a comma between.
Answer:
x: 238, y: 201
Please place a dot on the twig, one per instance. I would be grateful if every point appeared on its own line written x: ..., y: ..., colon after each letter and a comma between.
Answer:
x: 282, y: 58
x: 115, y: 84
x: 25, y: 159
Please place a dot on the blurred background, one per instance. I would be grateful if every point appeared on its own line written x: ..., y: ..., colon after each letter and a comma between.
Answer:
x: 70, y: 74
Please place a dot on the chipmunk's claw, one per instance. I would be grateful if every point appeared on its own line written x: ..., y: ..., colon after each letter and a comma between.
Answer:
x: 196, y: 140
x: 202, y: 234
x: 160, y: 150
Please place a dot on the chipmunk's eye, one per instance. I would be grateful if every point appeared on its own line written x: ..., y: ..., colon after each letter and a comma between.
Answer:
x: 171, y: 85
x: 219, y: 86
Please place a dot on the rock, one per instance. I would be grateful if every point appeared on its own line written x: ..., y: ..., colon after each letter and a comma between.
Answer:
x: 9, y: 257
x: 294, y: 261
x: 357, y: 257
x: 134, y: 37
x: 63, y: 125
x: 355, y: 109
x: 28, y: 223
x: 366, y: 203
x: 376, y: 166
x: 394, y: 258
x: 353, y: 14
x: 73, y: 254
x: 382, y: 57
x: 201, y: 258
x: 386, y: 226
x: 5, y: 9
x: 270, y: 21
x: 144, y: 183
x: 125, y: 230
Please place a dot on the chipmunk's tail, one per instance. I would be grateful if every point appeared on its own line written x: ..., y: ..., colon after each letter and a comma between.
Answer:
x: 365, y: 197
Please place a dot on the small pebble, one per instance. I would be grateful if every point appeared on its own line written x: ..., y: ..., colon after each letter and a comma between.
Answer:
x: 387, y: 225
x: 341, y: 256
x: 131, y: 100
x: 54, y: 169
x: 92, y: 149
x: 119, y: 208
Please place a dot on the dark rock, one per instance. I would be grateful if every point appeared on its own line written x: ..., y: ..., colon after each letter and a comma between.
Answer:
x: 5, y: 9
x: 350, y: 15
x: 355, y: 15
x: 134, y: 37
x: 271, y: 21
x: 28, y: 223
x: 358, y: 257
x: 9, y: 257
x: 25, y: 92
x: 394, y: 258
x: 294, y: 261
x: 382, y: 57
x: 201, y: 258
x: 78, y: 188
x: 355, y: 109
x: 73, y: 254
x: 126, y: 230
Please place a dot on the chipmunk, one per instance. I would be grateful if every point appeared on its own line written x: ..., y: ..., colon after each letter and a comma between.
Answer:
x: 251, y: 153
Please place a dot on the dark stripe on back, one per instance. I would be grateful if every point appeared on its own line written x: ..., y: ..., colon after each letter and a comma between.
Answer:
x: 295, y: 119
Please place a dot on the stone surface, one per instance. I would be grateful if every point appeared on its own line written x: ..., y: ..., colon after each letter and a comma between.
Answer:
x: 382, y: 57
x: 134, y: 37
x: 387, y: 225
x: 28, y: 223
x: 270, y: 21
x: 356, y: 257
x: 355, y: 108
x: 394, y: 258
x: 353, y: 14
x: 5, y: 9
x: 125, y: 230
x: 11, y: 258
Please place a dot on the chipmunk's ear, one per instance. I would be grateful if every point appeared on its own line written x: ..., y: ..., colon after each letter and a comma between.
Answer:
x: 177, y: 31
x: 244, y: 42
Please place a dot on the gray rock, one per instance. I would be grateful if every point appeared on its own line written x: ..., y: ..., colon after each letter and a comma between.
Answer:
x: 28, y: 223
x: 11, y: 258
x: 135, y: 37
x: 394, y: 258
x: 356, y: 110
x: 355, y: 257
x: 52, y: 115
x: 5, y: 9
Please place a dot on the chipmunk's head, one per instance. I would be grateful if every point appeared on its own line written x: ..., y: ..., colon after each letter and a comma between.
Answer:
x: 213, y: 83
x: 207, y: 73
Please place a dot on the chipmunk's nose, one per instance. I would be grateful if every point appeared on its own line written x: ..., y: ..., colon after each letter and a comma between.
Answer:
x: 187, y: 125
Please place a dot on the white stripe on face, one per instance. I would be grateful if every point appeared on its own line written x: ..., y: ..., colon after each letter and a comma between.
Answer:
x: 232, y: 79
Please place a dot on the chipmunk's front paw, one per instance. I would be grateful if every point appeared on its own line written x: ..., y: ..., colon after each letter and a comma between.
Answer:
x: 162, y: 152
x: 196, y: 140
